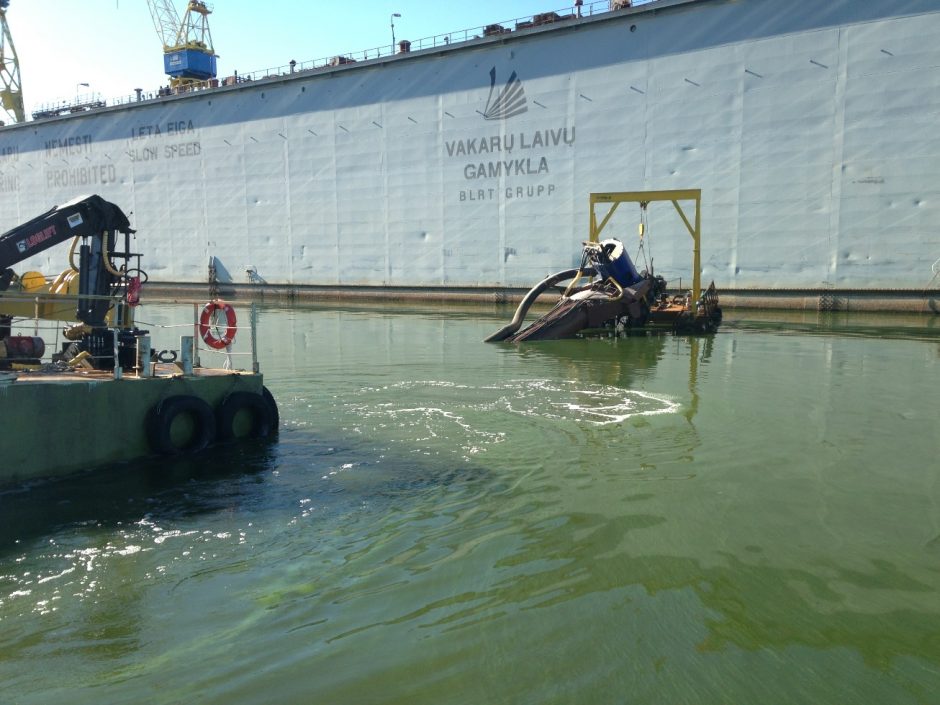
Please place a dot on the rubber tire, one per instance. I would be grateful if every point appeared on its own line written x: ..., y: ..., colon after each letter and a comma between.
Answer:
x: 262, y: 423
x: 160, y: 424
x: 275, y: 415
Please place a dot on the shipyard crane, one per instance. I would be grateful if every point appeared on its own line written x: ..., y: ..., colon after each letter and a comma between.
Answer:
x: 11, y: 90
x: 188, y: 56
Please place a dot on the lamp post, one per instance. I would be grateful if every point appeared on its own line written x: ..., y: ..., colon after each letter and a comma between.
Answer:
x: 79, y: 85
x: 392, y: 18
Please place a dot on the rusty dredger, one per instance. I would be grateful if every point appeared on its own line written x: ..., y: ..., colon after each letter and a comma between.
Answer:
x: 621, y: 298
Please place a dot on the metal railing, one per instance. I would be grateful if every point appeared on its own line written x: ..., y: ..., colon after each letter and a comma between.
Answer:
x: 565, y: 14
x: 190, y: 348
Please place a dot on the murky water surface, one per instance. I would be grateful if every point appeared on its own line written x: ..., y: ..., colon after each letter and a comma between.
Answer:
x: 748, y: 518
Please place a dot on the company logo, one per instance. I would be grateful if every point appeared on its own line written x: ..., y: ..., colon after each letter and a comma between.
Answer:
x: 508, y: 102
x: 35, y: 239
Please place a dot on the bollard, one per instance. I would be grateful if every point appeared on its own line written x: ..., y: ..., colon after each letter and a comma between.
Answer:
x: 142, y: 361
x: 186, y: 354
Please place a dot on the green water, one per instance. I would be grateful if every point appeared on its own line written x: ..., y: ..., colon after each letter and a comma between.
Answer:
x: 748, y: 518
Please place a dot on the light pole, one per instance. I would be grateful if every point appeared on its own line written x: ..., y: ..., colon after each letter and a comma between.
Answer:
x: 392, y: 18
x: 79, y: 85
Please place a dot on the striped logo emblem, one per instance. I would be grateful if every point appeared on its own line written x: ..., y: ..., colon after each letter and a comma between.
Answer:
x: 508, y: 101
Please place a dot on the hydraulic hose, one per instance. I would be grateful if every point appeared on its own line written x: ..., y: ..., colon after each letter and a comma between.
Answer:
x: 530, y: 298
x: 72, y: 252
x: 105, y: 256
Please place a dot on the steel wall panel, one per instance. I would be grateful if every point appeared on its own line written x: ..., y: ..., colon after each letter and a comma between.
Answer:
x: 810, y: 128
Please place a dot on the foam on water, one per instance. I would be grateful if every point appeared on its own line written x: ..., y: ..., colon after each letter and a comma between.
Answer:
x: 470, y: 417
x: 585, y: 403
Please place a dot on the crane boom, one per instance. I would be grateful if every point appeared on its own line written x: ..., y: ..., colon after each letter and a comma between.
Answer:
x: 11, y: 89
x: 165, y: 21
x: 84, y: 218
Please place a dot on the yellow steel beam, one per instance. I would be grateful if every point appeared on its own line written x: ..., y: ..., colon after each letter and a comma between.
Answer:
x: 596, y: 229
x: 674, y: 195
x: 694, y: 231
x: 640, y: 196
x: 684, y: 219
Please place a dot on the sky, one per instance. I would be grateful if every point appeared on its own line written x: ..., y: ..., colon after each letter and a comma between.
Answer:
x: 112, y: 45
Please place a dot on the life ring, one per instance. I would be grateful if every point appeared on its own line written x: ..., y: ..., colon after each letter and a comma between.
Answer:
x: 160, y: 425
x: 256, y: 406
x: 209, y: 327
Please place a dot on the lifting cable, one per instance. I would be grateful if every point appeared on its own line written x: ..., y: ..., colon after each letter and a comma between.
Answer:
x: 643, y: 229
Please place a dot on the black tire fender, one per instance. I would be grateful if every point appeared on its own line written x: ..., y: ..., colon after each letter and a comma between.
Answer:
x: 262, y: 419
x: 275, y: 415
x: 160, y: 423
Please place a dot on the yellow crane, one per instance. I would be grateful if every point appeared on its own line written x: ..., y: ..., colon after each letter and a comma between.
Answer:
x: 188, y: 56
x: 11, y: 90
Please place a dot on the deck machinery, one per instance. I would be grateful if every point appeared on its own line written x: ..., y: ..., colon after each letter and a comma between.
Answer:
x: 620, y: 297
x: 96, y: 293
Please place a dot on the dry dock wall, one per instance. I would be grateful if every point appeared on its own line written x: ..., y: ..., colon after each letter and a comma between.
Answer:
x: 897, y: 301
x: 810, y: 128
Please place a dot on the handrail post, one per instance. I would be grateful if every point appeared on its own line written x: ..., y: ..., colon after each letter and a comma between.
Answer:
x: 117, y: 361
x: 254, y: 339
x: 196, y: 361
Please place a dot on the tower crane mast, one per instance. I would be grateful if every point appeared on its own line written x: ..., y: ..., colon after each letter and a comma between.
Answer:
x: 188, y: 56
x: 11, y: 89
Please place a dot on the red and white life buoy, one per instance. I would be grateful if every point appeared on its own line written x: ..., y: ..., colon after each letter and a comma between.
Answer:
x: 210, y: 326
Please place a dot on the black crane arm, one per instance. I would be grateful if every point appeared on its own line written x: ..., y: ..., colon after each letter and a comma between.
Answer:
x: 83, y: 217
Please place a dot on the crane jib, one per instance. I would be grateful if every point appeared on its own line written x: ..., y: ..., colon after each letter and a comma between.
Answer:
x: 85, y: 217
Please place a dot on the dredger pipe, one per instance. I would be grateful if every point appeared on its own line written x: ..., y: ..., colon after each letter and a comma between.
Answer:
x: 530, y: 298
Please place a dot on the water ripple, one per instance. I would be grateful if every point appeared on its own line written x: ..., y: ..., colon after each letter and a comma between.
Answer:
x: 467, y: 416
x: 586, y: 403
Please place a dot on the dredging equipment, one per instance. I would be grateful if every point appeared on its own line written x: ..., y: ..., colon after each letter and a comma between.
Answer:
x: 620, y: 298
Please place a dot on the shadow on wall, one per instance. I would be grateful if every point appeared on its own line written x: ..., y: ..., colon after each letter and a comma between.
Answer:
x: 218, y: 272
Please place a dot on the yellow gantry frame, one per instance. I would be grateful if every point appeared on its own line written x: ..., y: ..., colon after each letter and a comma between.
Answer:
x: 615, y: 198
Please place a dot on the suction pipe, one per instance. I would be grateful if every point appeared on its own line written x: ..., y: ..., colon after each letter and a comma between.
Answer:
x: 530, y: 298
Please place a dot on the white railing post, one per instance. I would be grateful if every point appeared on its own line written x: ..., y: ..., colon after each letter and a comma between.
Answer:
x: 114, y: 347
x: 254, y: 339
x: 196, y: 360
